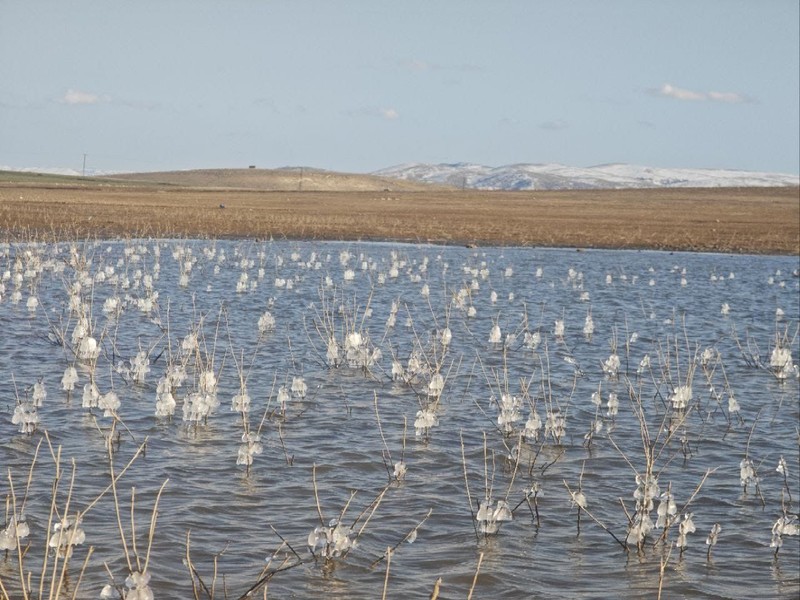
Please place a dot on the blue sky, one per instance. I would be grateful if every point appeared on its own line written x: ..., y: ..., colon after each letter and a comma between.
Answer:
x: 361, y: 85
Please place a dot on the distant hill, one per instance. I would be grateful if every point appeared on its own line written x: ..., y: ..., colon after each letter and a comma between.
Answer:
x: 44, y: 178
x: 418, y: 177
x: 285, y: 179
x: 561, y: 177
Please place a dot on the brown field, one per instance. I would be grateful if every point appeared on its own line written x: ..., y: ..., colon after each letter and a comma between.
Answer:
x: 222, y: 204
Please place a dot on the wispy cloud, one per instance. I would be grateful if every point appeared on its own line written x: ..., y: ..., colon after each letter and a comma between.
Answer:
x: 554, y: 125
x: 75, y: 97
x: 79, y: 97
x: 731, y: 97
x: 417, y: 64
x: 667, y: 90
x: 268, y: 103
x: 134, y: 104
x: 387, y: 113
x: 17, y: 103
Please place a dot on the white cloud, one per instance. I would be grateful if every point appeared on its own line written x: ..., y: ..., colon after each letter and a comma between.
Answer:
x: 731, y: 97
x: 79, y: 97
x: 668, y: 90
x: 390, y: 113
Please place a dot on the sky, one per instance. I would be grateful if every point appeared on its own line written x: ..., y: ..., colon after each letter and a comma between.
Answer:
x: 360, y: 85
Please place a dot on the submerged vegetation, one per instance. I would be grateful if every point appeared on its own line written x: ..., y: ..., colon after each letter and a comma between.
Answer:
x: 216, y: 419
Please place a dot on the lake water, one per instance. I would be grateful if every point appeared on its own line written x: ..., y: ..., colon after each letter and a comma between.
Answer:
x: 478, y: 336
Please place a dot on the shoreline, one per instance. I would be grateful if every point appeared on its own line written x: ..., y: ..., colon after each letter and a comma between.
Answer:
x: 721, y: 220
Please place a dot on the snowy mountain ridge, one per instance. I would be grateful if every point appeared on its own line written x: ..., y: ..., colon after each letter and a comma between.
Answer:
x: 552, y: 176
x: 562, y: 177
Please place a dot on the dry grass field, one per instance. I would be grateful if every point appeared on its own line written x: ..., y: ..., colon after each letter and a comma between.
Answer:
x: 324, y: 205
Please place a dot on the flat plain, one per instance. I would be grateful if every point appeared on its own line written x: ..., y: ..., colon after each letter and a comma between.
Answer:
x: 292, y: 204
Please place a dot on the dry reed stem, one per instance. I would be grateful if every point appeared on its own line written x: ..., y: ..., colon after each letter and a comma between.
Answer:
x: 383, y: 438
x: 599, y: 523
x: 193, y: 573
x: 403, y: 539
x: 82, y: 571
x: 53, y: 509
x: 466, y: 484
x: 386, y: 578
x: 153, y: 518
x: 189, y: 564
x: 30, y: 477
x: 60, y: 537
x: 19, y: 543
x: 375, y: 504
x: 662, y: 570
x: 117, y: 511
x: 133, y: 531
x: 475, y: 578
x: 316, y: 494
x: 435, y: 592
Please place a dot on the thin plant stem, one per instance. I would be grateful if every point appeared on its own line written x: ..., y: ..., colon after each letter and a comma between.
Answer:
x: 133, y: 531
x: 436, y: 585
x: 56, y: 454
x: 19, y: 543
x: 475, y: 578
x: 386, y: 578
x: 60, y: 538
x: 316, y: 494
x: 403, y: 539
x: 153, y: 518
x: 117, y: 511
x: 83, y: 570
x: 602, y: 526
x: 466, y: 485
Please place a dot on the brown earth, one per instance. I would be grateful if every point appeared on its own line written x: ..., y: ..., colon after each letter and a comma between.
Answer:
x: 741, y: 220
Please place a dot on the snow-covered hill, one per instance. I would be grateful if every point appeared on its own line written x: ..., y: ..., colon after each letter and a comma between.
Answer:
x: 548, y: 176
x: 560, y: 177
x: 44, y: 170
